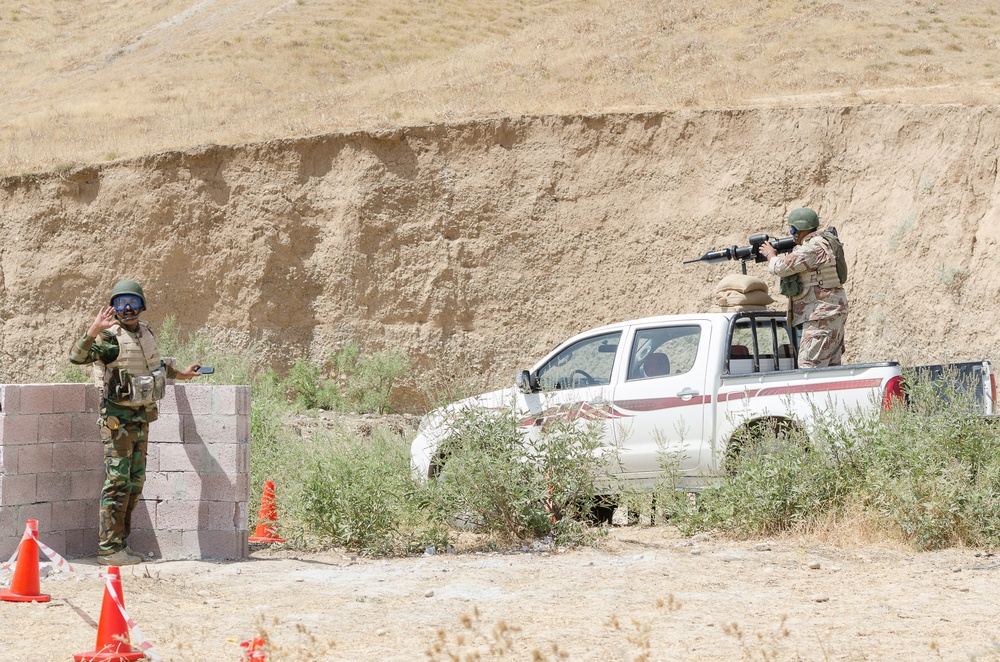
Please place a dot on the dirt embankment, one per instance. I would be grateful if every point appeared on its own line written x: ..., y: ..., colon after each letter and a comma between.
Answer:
x: 485, y: 243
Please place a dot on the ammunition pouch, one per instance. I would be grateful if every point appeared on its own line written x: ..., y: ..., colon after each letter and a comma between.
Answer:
x: 791, y: 286
x: 136, y: 389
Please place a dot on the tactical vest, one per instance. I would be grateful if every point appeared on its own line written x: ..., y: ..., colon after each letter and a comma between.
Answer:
x: 826, y: 276
x: 138, y: 360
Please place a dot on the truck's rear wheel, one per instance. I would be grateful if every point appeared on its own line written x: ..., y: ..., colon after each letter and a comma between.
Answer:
x: 752, y: 434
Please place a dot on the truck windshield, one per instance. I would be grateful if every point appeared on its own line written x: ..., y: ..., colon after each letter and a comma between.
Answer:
x: 586, y: 362
x: 662, y: 351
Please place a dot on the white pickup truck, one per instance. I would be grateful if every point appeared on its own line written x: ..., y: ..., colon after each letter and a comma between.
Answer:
x: 689, y: 386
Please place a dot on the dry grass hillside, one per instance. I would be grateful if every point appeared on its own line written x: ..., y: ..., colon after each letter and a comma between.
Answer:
x: 96, y: 80
x: 481, y: 209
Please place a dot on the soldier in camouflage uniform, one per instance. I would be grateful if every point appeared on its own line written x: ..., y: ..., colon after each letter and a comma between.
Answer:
x: 132, y: 375
x: 812, y: 278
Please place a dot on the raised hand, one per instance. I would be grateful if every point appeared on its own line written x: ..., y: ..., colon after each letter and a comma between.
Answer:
x: 105, y: 320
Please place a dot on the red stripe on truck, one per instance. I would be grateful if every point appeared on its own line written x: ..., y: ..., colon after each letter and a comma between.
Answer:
x: 801, y: 388
x: 653, y: 404
x: 820, y: 388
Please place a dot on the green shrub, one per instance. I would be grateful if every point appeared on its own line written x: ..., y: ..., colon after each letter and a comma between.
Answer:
x: 349, y: 381
x: 363, y: 497
x: 504, y: 481
x: 74, y: 374
x: 929, y: 474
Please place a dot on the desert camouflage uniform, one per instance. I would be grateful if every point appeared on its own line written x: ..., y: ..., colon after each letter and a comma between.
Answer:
x: 125, y: 432
x: 821, y: 312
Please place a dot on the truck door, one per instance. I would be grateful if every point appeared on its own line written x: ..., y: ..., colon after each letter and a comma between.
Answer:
x: 660, y: 404
x: 576, y: 384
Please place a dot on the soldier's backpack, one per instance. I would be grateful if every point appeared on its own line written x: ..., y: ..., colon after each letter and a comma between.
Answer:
x: 830, y: 234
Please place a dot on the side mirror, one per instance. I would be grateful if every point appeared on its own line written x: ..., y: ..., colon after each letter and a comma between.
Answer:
x: 524, y: 382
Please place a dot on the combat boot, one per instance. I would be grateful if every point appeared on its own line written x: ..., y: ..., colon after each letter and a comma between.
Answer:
x: 131, y: 552
x: 121, y: 557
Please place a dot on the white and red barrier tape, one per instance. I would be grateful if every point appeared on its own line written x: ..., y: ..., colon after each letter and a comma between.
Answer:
x: 63, y: 565
x: 144, y: 644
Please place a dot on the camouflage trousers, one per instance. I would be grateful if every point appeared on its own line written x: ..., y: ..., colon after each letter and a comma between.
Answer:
x: 822, y: 342
x: 124, y: 474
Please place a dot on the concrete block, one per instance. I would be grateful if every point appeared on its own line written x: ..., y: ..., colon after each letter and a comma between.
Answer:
x: 10, y: 399
x: 8, y: 459
x: 222, y: 516
x: 210, y: 428
x: 34, y: 458
x: 152, y: 458
x: 221, y: 458
x: 55, y: 427
x: 17, y: 490
x: 77, y: 456
x: 243, y: 400
x: 168, y: 486
x: 144, y: 514
x: 162, y: 544
x: 219, y: 487
x: 84, y: 427
x: 54, y: 539
x: 70, y: 398
x: 53, y: 487
x: 168, y: 428
x: 214, y: 545
x: 168, y: 405
x: 86, y: 484
x: 18, y: 429
x: 39, y: 511
x: 193, y: 400
x: 243, y: 487
x: 36, y: 399
x: 180, y: 457
x: 82, y: 514
x: 157, y: 485
x: 92, y: 399
x: 7, y: 546
x: 81, y: 542
x: 224, y: 400
x: 180, y: 515
x: 243, y: 429
x: 10, y: 525
x: 242, y: 517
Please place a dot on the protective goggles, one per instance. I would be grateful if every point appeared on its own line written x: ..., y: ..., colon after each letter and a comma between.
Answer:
x: 127, y: 301
x: 793, y: 230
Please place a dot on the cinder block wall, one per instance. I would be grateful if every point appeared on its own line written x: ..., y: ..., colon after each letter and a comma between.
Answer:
x: 194, y: 504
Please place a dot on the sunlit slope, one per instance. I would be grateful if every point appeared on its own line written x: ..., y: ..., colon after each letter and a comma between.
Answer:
x: 94, y: 80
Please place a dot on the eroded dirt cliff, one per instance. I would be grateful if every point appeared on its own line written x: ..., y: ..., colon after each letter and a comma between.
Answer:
x: 482, y: 244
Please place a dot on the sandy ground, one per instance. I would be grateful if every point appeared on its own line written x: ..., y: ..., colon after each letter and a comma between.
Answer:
x: 642, y: 590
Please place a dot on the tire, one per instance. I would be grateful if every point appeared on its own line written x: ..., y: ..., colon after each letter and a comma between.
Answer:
x: 751, y: 434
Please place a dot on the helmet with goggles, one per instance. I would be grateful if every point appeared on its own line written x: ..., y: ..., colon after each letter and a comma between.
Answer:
x: 127, y: 297
x: 803, y: 220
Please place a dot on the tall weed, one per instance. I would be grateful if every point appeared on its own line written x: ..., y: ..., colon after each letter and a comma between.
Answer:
x: 348, y: 380
x: 928, y: 474
x: 362, y: 496
x: 504, y: 481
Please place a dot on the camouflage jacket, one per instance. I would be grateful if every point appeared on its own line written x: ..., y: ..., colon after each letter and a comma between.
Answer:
x: 104, y: 348
x: 815, y: 303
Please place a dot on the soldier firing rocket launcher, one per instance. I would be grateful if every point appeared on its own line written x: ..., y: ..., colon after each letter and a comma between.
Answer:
x: 746, y: 253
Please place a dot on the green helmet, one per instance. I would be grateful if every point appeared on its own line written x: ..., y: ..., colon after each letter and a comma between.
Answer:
x: 803, y: 219
x: 127, y: 287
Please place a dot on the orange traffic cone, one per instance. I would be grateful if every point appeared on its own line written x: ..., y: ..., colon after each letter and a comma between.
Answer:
x: 112, y: 630
x: 267, y: 518
x: 254, y: 650
x: 24, y: 585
